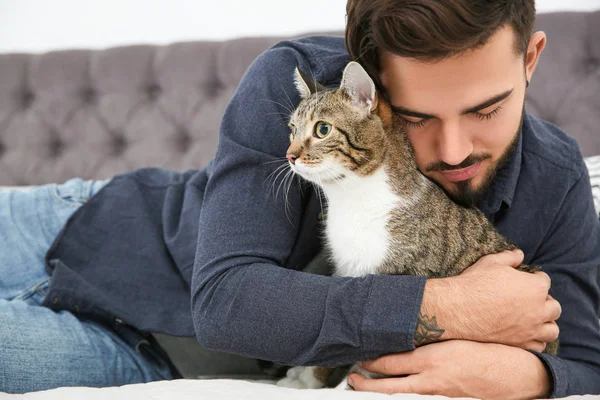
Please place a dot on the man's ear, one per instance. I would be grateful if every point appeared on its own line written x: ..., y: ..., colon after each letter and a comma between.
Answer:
x: 305, y: 84
x: 534, y: 49
x: 359, y: 85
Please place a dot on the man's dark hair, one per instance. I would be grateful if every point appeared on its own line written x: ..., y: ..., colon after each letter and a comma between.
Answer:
x: 431, y: 30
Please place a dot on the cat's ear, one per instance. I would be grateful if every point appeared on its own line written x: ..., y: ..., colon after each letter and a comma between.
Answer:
x: 305, y: 84
x: 359, y: 85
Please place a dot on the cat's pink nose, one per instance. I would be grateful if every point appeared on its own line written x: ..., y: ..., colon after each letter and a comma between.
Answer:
x: 291, y: 157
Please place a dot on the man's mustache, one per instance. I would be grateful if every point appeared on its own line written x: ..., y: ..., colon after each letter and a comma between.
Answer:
x: 467, y: 162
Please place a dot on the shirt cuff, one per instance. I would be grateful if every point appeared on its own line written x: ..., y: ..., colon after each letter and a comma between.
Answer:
x: 391, y: 313
x: 558, y: 373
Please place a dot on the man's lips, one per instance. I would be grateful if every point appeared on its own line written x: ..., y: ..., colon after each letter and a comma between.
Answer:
x: 461, y: 174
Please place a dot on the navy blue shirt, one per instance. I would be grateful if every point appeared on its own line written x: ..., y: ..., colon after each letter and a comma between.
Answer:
x: 216, y: 254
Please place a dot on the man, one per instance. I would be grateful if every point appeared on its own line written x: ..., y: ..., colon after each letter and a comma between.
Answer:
x: 214, y: 254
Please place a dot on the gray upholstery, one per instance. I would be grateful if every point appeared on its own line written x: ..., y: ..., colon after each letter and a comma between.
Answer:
x: 566, y: 85
x: 93, y: 114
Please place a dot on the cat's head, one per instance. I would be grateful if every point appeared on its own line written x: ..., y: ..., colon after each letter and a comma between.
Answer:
x: 340, y: 132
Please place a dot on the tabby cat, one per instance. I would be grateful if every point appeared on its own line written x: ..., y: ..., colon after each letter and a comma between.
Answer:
x: 383, y: 216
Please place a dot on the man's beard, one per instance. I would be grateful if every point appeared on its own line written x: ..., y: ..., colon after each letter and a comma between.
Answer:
x: 464, y: 193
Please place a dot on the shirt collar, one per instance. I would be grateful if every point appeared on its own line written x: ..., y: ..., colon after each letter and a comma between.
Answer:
x: 504, y: 185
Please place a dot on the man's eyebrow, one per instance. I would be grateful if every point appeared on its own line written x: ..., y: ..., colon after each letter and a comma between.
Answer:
x: 491, y: 101
x: 410, y: 113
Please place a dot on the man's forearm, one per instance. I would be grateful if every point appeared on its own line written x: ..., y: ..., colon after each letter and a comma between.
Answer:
x: 460, y: 368
x: 429, y: 328
x: 267, y: 312
x: 490, y: 302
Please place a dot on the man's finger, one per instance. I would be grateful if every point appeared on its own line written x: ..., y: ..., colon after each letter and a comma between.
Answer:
x: 396, y: 364
x: 409, y: 384
x: 535, y: 345
x: 513, y: 258
x: 553, y: 309
x: 549, y: 332
x: 546, y: 278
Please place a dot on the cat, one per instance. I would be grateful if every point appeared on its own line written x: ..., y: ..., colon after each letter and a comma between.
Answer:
x: 383, y: 215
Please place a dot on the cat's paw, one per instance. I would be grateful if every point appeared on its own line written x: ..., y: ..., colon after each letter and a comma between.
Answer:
x: 344, y: 385
x: 301, y: 378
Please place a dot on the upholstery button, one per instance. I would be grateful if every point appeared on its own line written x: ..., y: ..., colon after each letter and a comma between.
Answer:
x: 119, y: 145
x: 215, y: 89
x: 55, y: 300
x: 153, y: 91
x: 27, y: 99
x: 184, y: 141
x: 56, y: 146
x: 76, y: 307
x: 89, y: 95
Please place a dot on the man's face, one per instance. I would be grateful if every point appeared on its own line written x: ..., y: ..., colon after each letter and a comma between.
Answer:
x: 462, y: 114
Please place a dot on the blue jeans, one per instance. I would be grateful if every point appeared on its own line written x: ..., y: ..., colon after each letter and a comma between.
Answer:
x: 39, y: 348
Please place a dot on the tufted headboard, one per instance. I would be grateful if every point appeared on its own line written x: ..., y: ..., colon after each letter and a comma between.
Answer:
x: 93, y: 114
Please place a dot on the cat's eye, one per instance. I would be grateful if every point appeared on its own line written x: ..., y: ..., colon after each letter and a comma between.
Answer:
x: 322, y: 129
x: 293, y: 129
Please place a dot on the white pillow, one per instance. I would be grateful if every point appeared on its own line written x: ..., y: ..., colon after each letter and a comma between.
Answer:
x: 593, y: 165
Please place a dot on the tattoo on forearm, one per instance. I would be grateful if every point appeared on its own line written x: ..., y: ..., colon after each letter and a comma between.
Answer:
x: 427, y: 330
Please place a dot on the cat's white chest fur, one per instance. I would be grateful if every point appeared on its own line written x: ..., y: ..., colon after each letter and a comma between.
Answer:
x: 357, y: 218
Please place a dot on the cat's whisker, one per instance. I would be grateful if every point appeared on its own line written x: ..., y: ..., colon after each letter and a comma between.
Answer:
x: 275, y: 171
x: 287, y: 194
x: 291, y: 103
x: 335, y: 177
x: 318, y: 190
x: 280, y: 104
x: 365, y: 157
x: 276, y: 192
x: 286, y: 116
x: 300, y: 187
x: 279, y: 159
x: 282, y: 184
x: 337, y: 180
x: 289, y: 179
x: 319, y: 186
x: 285, y: 199
x: 281, y: 170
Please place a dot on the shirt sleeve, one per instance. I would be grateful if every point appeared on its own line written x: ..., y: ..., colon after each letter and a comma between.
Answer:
x: 243, y: 300
x: 570, y: 254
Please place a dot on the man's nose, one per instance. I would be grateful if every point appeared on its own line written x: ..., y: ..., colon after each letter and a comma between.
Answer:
x: 291, y: 157
x: 454, y: 145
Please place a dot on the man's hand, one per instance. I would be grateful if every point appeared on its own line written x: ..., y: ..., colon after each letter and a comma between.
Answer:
x: 490, y: 302
x: 459, y: 368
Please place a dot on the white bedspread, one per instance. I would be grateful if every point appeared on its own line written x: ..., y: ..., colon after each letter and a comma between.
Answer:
x: 225, y: 389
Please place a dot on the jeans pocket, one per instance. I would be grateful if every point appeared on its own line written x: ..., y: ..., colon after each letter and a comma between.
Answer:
x: 146, y: 346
